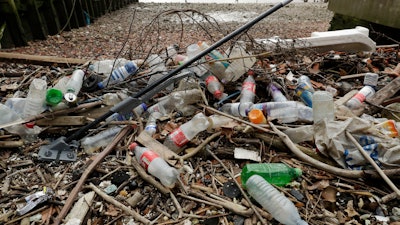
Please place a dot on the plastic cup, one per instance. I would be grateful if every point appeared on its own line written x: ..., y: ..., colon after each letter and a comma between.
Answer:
x: 257, y: 116
x: 53, y: 96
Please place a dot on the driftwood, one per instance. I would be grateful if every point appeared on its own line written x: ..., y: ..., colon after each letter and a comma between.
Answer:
x: 41, y: 60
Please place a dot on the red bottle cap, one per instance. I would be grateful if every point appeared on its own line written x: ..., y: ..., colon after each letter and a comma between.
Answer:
x: 30, y: 124
x: 133, y: 146
x: 217, y: 94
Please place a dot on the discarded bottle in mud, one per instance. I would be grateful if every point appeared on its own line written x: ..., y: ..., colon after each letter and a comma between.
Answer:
x: 357, y: 100
x: 323, y: 106
x: 305, y: 90
x: 257, y: 116
x: 118, y: 75
x: 278, y: 174
x: 286, y: 112
x: 100, y: 140
x: 276, y: 94
x: 214, y: 86
x: 36, y: 98
x: 247, y: 94
x: 186, y: 132
x: 74, y: 85
x: 280, y: 207
x: 157, y: 69
x: 155, y: 165
x: 241, y: 62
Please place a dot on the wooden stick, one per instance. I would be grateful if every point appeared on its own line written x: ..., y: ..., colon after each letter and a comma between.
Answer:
x: 373, y: 163
x: 87, y: 172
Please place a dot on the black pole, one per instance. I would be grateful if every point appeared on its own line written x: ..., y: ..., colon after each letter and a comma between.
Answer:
x: 132, y: 101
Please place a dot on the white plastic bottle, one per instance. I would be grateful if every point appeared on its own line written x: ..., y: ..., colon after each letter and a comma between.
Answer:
x: 119, y: 74
x: 286, y: 112
x: 36, y: 98
x: 280, y: 207
x: 323, y: 106
x: 186, y: 132
x: 276, y: 94
x: 357, y: 100
x: 155, y: 165
x: 214, y: 86
x: 247, y: 95
x: 74, y: 85
x: 93, y: 143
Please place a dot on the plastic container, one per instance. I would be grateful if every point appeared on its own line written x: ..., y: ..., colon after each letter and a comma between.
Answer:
x: 286, y: 112
x: 323, y: 106
x: 305, y: 90
x: 357, y: 100
x: 214, y: 86
x: 36, y: 98
x: 276, y: 94
x: 280, y: 207
x: 371, y: 79
x: 257, y: 116
x: 93, y: 143
x: 230, y: 108
x: 151, y: 124
x: 155, y: 165
x: 247, y: 94
x: 241, y: 62
x: 186, y: 132
x: 74, y: 86
x: 119, y: 74
x: 278, y: 174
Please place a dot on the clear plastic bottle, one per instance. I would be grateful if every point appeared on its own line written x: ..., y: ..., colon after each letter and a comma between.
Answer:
x: 280, y: 207
x: 36, y: 98
x: 217, y: 121
x: 247, y: 94
x: 240, y: 64
x: 278, y: 174
x: 93, y: 143
x: 214, y: 54
x: 151, y: 124
x: 119, y: 74
x: 74, y: 85
x: 201, y: 68
x: 323, y: 106
x: 155, y: 165
x: 230, y: 108
x: 214, y: 86
x: 286, y: 112
x: 357, y: 100
x: 186, y: 132
x: 157, y: 68
x: 305, y: 90
x: 276, y: 94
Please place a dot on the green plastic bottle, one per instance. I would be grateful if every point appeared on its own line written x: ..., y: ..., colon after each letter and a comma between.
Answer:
x: 275, y: 173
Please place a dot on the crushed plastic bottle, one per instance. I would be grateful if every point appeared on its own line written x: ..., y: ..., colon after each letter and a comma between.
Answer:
x: 286, y: 112
x: 118, y: 75
x: 305, y: 90
x: 280, y: 207
x: 248, y: 94
x: 36, y: 98
x: 275, y: 173
x: 74, y: 85
x: 186, y: 132
x: 155, y: 165
x: 357, y: 100
x: 93, y: 143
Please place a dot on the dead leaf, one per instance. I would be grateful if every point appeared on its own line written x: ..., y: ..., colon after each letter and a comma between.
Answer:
x: 329, y: 194
x: 320, y: 185
x: 314, y: 69
x: 351, y: 212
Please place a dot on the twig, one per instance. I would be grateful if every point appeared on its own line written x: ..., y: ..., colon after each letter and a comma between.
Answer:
x: 119, y: 205
x: 373, y: 163
x: 177, y: 205
x: 239, y: 186
x: 87, y: 172
x: 198, y: 148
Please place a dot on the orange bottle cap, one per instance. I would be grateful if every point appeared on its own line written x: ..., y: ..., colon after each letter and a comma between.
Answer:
x: 256, y: 116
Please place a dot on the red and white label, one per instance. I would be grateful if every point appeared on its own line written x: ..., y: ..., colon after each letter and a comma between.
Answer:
x: 250, y: 86
x: 178, y: 137
x: 147, y: 157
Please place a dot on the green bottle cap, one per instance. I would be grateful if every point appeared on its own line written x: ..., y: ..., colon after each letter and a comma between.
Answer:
x: 54, y: 96
x: 298, y: 172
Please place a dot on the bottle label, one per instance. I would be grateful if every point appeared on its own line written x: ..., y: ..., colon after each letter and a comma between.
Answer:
x: 178, y: 137
x: 147, y: 157
x: 250, y: 86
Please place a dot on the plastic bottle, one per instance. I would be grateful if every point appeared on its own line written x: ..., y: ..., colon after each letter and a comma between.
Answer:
x: 280, y: 207
x: 155, y: 165
x: 276, y: 94
x: 323, y: 106
x: 151, y: 124
x: 214, y: 86
x: 186, y: 132
x: 305, y: 90
x: 74, y: 86
x: 93, y: 143
x: 275, y: 173
x: 286, y: 112
x: 201, y: 68
x: 357, y: 100
x: 214, y: 54
x: 371, y: 79
x: 230, y: 108
x: 157, y: 68
x: 119, y: 74
x: 247, y: 95
x: 217, y: 121
x: 36, y: 98
x: 106, y: 66
x: 240, y: 64
x: 257, y: 116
